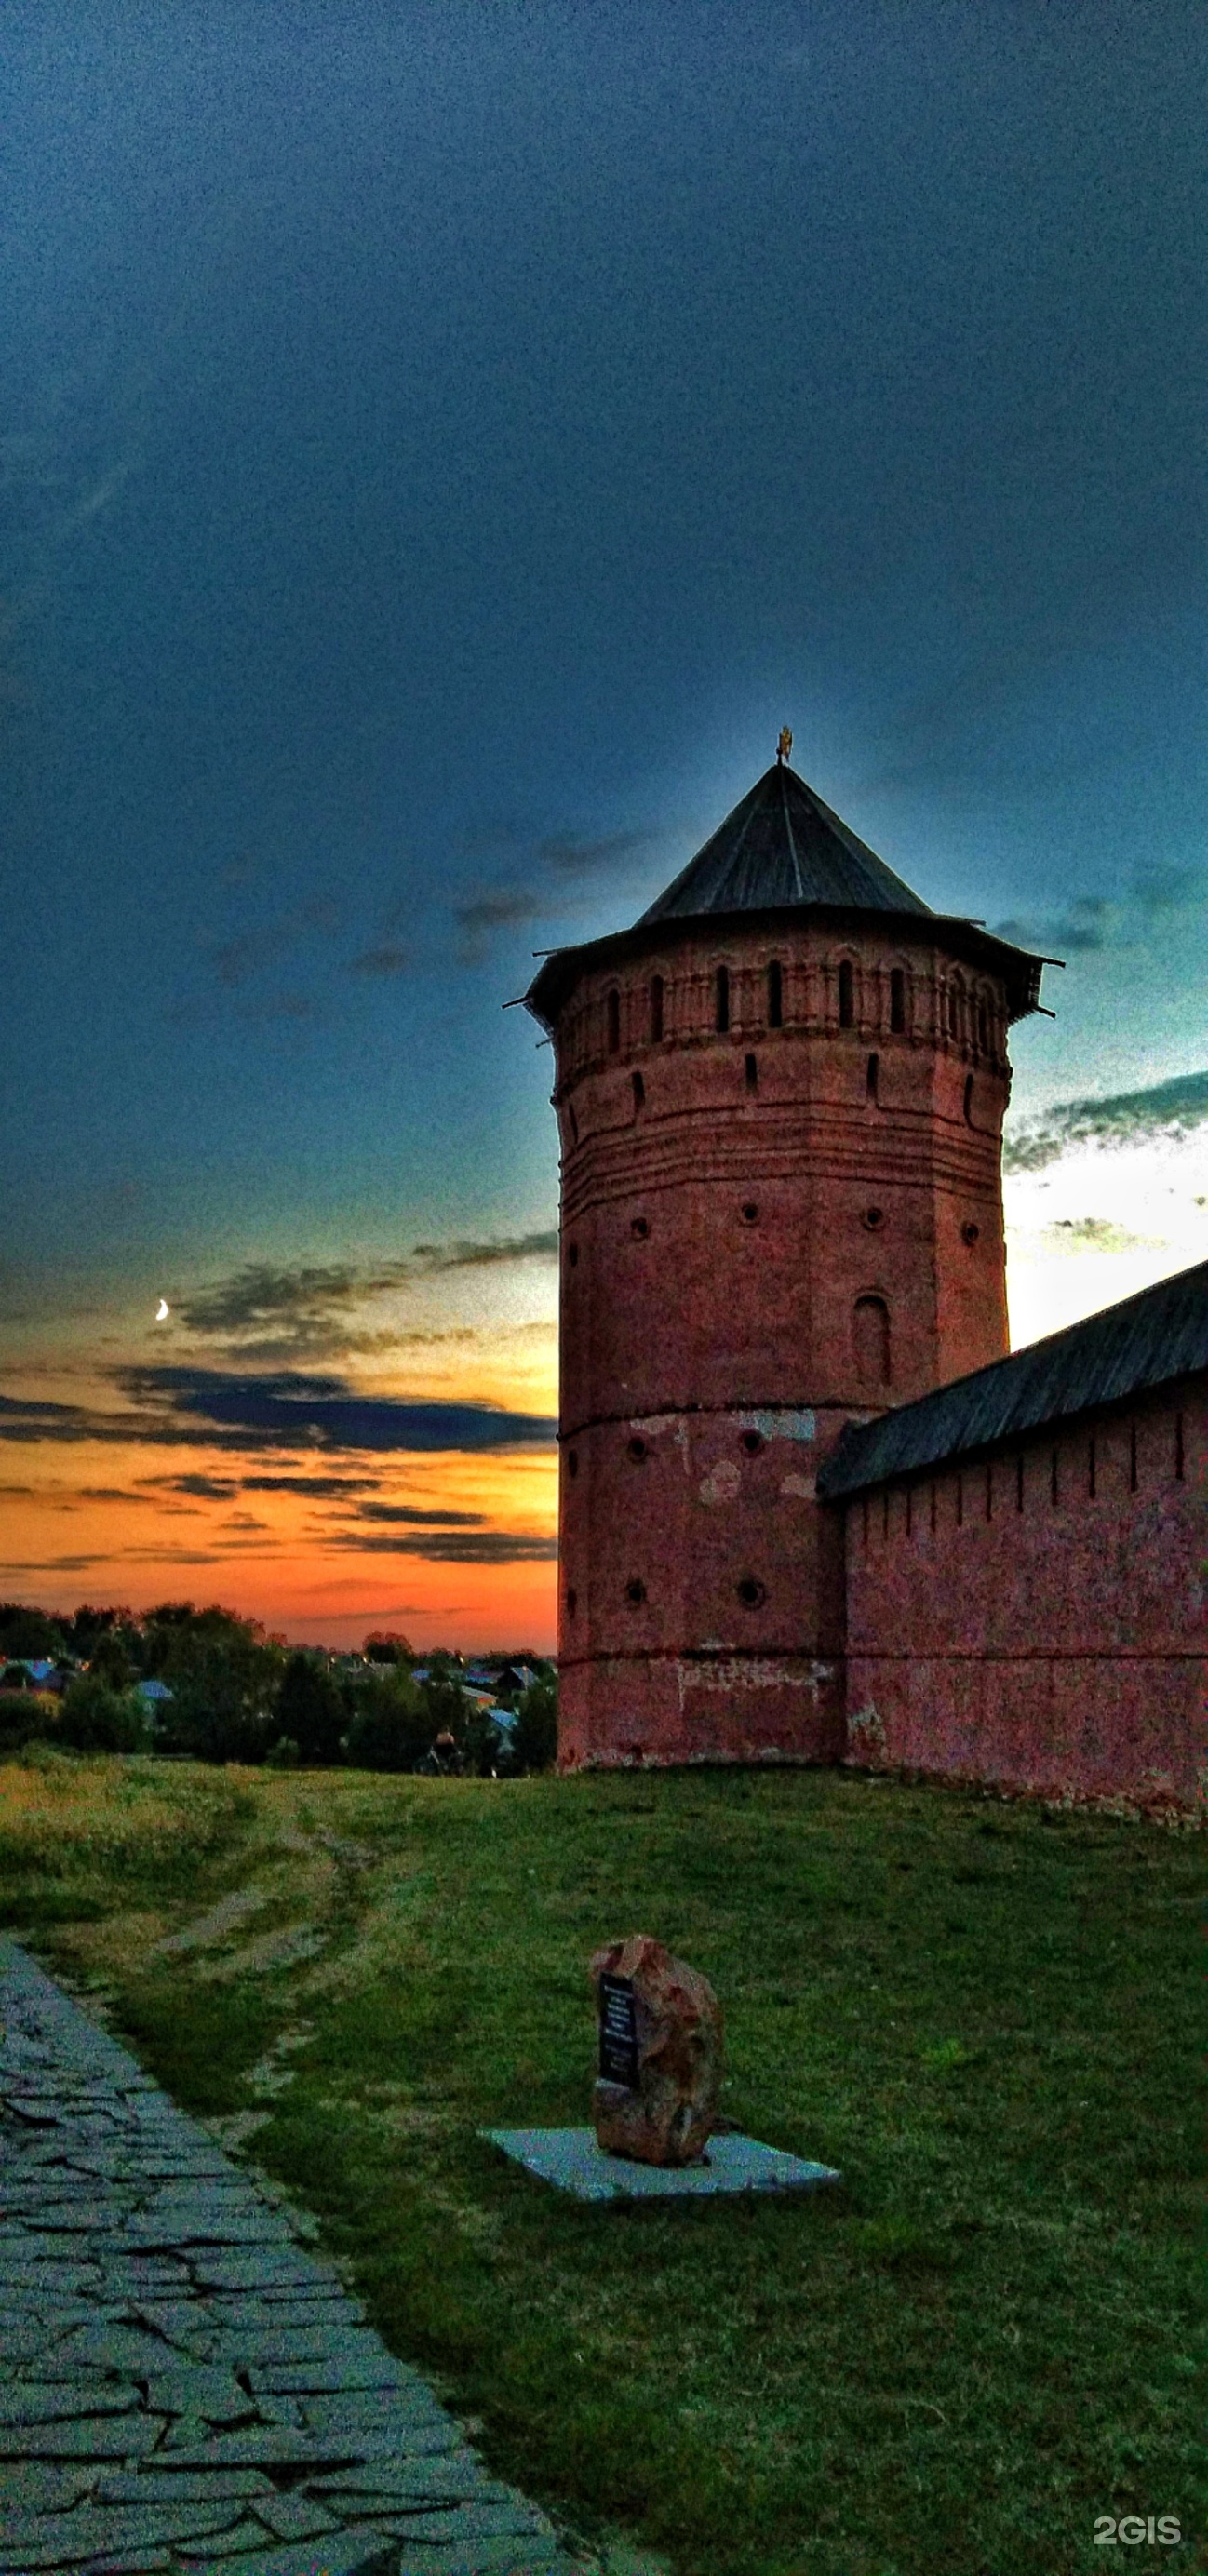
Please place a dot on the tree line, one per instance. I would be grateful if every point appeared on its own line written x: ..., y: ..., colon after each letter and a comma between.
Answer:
x: 240, y: 1695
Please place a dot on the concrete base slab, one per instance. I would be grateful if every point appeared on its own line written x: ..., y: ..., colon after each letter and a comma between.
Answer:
x: 572, y: 2159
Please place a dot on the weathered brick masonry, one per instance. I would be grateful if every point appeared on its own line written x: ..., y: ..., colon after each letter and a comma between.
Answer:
x: 780, y: 1099
x: 1034, y: 1616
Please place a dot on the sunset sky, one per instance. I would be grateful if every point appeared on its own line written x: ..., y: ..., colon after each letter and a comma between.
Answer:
x: 444, y: 445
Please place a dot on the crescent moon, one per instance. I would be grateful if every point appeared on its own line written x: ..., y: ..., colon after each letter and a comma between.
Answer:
x: 161, y: 1310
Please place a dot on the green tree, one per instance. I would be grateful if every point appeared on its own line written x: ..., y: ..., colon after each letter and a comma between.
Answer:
x: 89, y: 1622
x: 388, y: 1646
x: 28, y: 1632
x: 311, y: 1710
x: 483, y: 1744
x: 109, y: 1661
x: 390, y: 1729
x: 95, y: 1718
x: 224, y: 1677
x: 535, y: 1734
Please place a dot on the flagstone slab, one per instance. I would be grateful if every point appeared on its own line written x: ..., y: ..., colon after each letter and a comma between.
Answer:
x: 61, y: 2540
x: 574, y: 2161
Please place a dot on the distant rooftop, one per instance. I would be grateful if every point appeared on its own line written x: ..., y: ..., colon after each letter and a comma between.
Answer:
x: 1143, y: 1342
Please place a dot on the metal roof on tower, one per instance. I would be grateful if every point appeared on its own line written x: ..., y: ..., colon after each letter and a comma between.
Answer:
x: 782, y: 845
x: 780, y: 853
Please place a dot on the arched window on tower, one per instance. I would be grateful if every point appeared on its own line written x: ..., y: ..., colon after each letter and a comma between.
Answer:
x: 983, y: 1026
x: 968, y: 1100
x: 955, y: 1013
x: 897, y: 1001
x: 775, y: 995
x: 614, y: 1022
x: 723, y: 999
x: 847, y: 994
x: 656, y: 1009
x: 870, y: 1330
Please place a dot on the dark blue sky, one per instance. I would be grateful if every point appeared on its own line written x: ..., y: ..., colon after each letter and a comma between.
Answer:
x: 445, y: 444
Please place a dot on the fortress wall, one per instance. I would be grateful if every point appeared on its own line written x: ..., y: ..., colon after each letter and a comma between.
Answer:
x: 1036, y: 1618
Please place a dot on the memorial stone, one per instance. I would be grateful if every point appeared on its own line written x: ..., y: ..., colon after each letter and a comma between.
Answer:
x: 660, y: 2063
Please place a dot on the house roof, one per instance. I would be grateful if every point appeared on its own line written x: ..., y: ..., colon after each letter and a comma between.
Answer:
x: 1144, y: 1342
x: 782, y: 852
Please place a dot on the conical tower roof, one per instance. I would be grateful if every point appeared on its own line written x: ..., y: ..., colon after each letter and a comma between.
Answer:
x: 783, y: 852
x: 782, y: 845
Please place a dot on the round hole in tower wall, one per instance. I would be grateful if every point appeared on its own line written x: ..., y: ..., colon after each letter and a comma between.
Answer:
x: 572, y: 1601
x: 635, y: 1591
x: 572, y: 1254
x: 572, y: 1462
x: 751, y: 1592
x: 750, y: 1212
x: 874, y: 1219
x: 970, y: 1232
x: 638, y: 1451
x: 640, y: 1228
x: 752, y: 1443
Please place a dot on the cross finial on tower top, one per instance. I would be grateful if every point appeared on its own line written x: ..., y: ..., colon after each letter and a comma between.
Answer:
x: 785, y: 744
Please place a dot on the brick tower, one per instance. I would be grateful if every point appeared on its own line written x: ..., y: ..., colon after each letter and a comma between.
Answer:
x: 780, y: 1097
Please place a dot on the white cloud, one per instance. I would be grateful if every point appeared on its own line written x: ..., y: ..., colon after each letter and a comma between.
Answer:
x: 1099, y: 1222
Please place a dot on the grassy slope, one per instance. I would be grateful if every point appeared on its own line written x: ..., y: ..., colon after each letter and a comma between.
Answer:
x: 982, y: 2014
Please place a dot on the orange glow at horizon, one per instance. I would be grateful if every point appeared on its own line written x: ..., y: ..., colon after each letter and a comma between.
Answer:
x: 138, y: 1528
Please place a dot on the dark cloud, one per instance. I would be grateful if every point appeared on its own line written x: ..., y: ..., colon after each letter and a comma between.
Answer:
x: 507, y: 909
x: 324, y: 1412
x: 486, y: 1547
x: 419, y: 1519
x: 1086, y: 924
x: 1167, y: 1108
x: 1096, y: 1234
x: 109, y: 1556
x: 1089, y: 922
x: 1157, y: 891
x: 479, y: 1255
x: 207, y: 1408
x: 258, y: 1294
x: 572, y: 855
x: 212, y: 1488
x: 247, y: 952
x: 380, y: 961
x: 321, y: 912
x: 268, y: 1316
x: 322, y: 1488
x: 235, y: 959
x: 30, y: 1418
x: 557, y: 854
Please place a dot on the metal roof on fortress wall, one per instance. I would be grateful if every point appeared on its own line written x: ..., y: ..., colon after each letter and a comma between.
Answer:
x: 1144, y: 1342
x: 782, y: 852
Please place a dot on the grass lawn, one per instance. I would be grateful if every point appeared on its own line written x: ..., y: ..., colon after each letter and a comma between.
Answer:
x: 982, y: 2013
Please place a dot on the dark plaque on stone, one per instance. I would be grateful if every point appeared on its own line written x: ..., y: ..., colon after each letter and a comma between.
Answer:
x: 618, y: 2032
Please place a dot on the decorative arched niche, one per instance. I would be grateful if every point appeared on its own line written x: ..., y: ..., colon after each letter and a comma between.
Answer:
x: 870, y: 1341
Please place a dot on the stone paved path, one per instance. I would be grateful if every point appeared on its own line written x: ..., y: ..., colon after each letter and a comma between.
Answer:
x: 182, y: 2386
